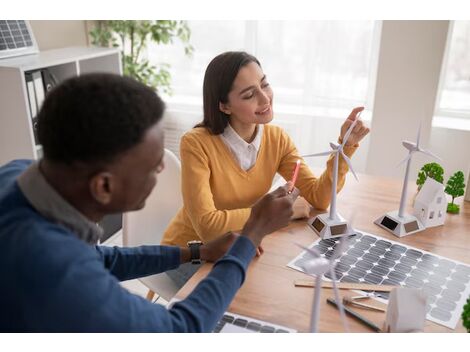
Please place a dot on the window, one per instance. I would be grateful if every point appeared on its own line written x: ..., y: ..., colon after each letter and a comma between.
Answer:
x: 454, y: 94
x: 431, y: 215
x: 439, y: 200
x: 317, y: 69
x: 309, y: 64
x: 208, y: 38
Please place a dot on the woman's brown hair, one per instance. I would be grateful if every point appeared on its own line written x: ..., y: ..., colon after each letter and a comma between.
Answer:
x: 218, y: 81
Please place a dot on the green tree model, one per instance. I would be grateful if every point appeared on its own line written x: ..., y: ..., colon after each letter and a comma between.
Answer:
x: 466, y: 315
x: 455, y: 188
x: 433, y: 170
x: 133, y: 37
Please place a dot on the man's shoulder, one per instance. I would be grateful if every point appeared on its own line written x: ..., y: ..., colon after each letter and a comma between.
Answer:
x: 14, y: 168
x: 46, y: 258
x: 10, y: 171
x: 39, y: 242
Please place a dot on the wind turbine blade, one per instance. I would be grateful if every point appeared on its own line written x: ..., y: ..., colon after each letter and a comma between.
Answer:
x: 339, y: 301
x: 312, y: 251
x: 348, y: 161
x: 348, y: 132
x: 319, y: 154
x: 418, y: 137
x: 334, y: 145
x: 340, y: 248
x: 427, y: 152
x: 405, y: 160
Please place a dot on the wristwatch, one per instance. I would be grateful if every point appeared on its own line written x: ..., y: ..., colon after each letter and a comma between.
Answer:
x: 195, y: 252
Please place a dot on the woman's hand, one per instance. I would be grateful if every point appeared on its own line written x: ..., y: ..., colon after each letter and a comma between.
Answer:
x: 301, y: 209
x: 359, y: 131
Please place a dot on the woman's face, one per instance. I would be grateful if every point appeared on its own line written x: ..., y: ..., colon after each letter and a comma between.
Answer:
x: 250, y: 100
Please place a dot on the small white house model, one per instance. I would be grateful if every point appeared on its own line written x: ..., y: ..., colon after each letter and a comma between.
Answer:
x: 430, y: 205
x: 406, y: 310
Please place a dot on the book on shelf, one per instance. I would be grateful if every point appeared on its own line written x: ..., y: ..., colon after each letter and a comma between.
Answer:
x: 38, y: 84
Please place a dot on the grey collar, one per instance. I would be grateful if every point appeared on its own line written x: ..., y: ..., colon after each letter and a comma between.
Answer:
x: 45, y: 199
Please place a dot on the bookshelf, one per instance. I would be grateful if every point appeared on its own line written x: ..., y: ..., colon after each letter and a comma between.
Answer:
x: 16, y: 123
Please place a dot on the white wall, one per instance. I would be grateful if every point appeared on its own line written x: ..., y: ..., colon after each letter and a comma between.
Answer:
x: 409, y: 67
x: 453, y: 146
x: 408, y: 72
x: 409, y: 64
x: 59, y: 34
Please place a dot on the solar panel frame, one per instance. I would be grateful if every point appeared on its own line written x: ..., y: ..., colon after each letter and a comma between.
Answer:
x: 370, y: 257
x: 16, y: 38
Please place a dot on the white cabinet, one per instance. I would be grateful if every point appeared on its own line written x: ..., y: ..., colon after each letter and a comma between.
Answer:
x: 16, y: 132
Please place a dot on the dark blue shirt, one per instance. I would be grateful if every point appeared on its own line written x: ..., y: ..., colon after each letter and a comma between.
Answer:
x: 52, y: 281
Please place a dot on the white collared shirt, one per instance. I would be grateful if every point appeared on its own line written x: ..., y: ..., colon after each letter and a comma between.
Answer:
x: 245, y: 153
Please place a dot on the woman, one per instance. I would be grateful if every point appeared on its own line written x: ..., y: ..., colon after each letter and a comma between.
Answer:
x: 229, y: 160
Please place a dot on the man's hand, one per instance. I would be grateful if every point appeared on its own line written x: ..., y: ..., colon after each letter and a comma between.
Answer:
x: 359, y: 131
x: 270, y: 213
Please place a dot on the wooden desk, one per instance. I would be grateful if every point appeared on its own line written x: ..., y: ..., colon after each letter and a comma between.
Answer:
x: 269, y: 293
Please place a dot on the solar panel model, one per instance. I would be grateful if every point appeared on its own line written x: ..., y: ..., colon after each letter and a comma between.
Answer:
x: 16, y: 38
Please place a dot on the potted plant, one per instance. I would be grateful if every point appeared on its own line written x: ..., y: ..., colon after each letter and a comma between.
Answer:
x: 455, y: 188
x: 466, y: 315
x: 133, y: 37
x: 433, y: 170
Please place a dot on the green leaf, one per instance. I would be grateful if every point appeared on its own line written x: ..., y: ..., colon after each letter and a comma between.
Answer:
x: 455, y: 185
x: 433, y: 170
x: 133, y: 38
x: 466, y: 315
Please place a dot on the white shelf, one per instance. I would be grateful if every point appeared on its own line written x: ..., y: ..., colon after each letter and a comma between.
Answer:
x: 16, y: 133
x: 56, y: 57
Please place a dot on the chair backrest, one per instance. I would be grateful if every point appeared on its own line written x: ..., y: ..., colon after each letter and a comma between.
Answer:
x: 146, y: 226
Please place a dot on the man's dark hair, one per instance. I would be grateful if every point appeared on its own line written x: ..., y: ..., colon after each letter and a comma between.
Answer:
x: 96, y: 117
x: 218, y: 81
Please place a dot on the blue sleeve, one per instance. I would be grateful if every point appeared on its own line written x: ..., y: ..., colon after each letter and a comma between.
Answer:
x: 81, y: 295
x: 134, y: 262
x: 204, y: 307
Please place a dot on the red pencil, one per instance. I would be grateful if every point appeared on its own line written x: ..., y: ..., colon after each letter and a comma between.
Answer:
x: 294, y: 175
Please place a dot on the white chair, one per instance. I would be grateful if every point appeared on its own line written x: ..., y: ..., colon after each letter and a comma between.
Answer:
x: 146, y: 226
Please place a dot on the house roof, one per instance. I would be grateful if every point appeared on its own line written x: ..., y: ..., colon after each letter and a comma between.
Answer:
x: 430, y: 190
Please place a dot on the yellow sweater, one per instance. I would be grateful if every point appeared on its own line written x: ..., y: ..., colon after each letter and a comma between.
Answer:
x: 218, y: 194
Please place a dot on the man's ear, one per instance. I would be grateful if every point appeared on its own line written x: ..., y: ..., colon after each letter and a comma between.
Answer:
x: 224, y: 108
x: 101, y: 187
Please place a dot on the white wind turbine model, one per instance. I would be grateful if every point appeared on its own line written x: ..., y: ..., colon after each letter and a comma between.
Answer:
x: 317, y: 267
x: 397, y: 222
x: 332, y: 224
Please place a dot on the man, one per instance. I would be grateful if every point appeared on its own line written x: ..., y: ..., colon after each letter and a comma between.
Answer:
x: 103, y: 148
